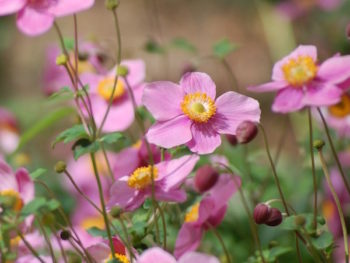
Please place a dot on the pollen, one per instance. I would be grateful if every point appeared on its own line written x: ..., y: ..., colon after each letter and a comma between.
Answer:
x: 14, y: 199
x: 93, y: 221
x: 105, y: 89
x: 142, y: 177
x: 121, y: 258
x: 192, y: 215
x: 199, y: 107
x: 342, y: 108
x: 299, y: 71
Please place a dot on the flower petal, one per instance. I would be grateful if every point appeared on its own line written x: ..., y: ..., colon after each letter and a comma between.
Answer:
x: 137, y: 71
x: 270, y: 86
x: 121, y: 194
x: 128, y: 161
x: 205, y: 139
x: 156, y: 254
x: 188, y: 239
x: 25, y: 185
x: 193, y: 82
x: 163, y: 99
x: 288, y: 100
x: 11, y: 6
x: 99, y: 251
x: 8, y: 180
x: 67, y: 7
x: 335, y: 69
x: 322, y: 95
x: 32, y: 22
x: 168, y: 134
x: 173, y: 195
x: 232, y: 109
x: 192, y: 257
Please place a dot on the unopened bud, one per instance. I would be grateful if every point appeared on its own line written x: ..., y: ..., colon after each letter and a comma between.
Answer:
x: 318, y: 144
x: 261, y: 213
x: 299, y: 220
x: 246, y: 132
x: 115, y: 211
x: 321, y: 220
x: 61, y: 60
x: 60, y: 167
x: 111, y: 4
x: 232, y: 139
x: 65, y: 234
x: 122, y: 71
x: 205, y: 178
x: 275, y: 217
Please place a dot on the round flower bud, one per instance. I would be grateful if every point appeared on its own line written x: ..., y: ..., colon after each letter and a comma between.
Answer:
x: 246, y: 132
x: 61, y: 60
x: 111, y: 4
x: 65, y: 234
x: 205, y: 178
x: 318, y: 144
x: 275, y: 217
x: 60, y: 167
x: 299, y: 220
x: 261, y: 213
x: 122, y: 71
x: 232, y: 139
x: 115, y: 211
x: 321, y: 220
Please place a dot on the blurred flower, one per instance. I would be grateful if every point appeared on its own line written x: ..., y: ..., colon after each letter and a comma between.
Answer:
x: 156, y: 254
x: 9, y: 134
x: 205, y: 178
x: 206, y: 214
x: 35, y: 17
x: 301, y: 82
x: 189, y: 114
x: 121, y: 114
x: 129, y: 192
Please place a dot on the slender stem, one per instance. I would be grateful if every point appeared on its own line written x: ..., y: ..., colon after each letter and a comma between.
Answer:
x: 47, y: 240
x: 104, y: 213
x: 313, y: 167
x: 221, y: 241
x: 274, y: 172
x: 337, y: 202
x: 58, y: 239
x: 31, y: 249
x: 128, y: 243
x: 281, y: 141
x: 334, y: 152
x: 300, y: 260
x: 163, y: 223
x: 230, y: 72
x: 110, y: 172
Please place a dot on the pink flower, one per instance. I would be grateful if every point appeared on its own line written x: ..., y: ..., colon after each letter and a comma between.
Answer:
x: 129, y: 192
x: 156, y: 254
x: 35, y: 17
x: 189, y: 114
x: 301, y: 82
x: 208, y: 213
x: 9, y: 134
x: 121, y: 114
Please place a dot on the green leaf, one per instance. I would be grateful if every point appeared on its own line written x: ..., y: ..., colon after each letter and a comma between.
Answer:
x: 84, y: 146
x: 324, y: 241
x: 64, y: 93
x: 183, y: 44
x: 53, y: 205
x: 43, y: 124
x: 69, y: 43
x: 153, y: 47
x: 74, y: 133
x: 38, y: 172
x: 33, y: 206
x: 96, y: 232
x: 223, y: 48
x: 112, y: 137
x: 278, y: 251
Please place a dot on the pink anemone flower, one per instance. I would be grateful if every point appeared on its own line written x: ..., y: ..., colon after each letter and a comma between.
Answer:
x: 301, y: 81
x: 129, y: 192
x: 9, y: 134
x: 156, y: 254
x: 121, y: 114
x: 206, y: 214
x: 189, y: 114
x: 35, y: 17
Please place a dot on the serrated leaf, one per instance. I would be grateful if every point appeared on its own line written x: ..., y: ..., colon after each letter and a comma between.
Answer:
x: 183, y: 44
x: 112, y: 137
x: 223, y: 48
x: 72, y: 134
x: 83, y: 148
x: 33, y: 206
x: 324, y: 241
x: 37, y: 173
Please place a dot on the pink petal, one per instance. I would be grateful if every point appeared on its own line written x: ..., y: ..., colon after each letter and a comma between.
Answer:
x: 11, y: 6
x: 173, y: 195
x: 32, y: 22
x: 192, y: 257
x: 127, y: 161
x: 270, y: 86
x: 322, y: 95
x: 68, y: 7
x: 234, y: 108
x: 99, y: 252
x: 288, y: 100
x: 156, y: 254
x: 138, y: 92
x: 25, y: 185
x: 329, y: 4
x: 193, y: 82
x: 188, y: 239
x: 8, y: 179
x: 335, y: 69
x: 204, y: 139
x: 121, y: 194
x: 163, y: 99
x: 206, y: 209
x: 137, y: 71
x: 168, y: 134
x: 216, y: 218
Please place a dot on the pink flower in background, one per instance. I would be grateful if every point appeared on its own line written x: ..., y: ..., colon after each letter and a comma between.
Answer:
x: 129, y: 192
x: 35, y: 17
x: 301, y: 82
x: 189, y: 114
x: 208, y: 213
x: 121, y: 114
x: 158, y: 255
x: 296, y: 8
x: 9, y: 134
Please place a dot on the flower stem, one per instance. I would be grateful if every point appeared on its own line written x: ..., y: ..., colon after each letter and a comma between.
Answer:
x: 47, y: 240
x: 128, y: 241
x: 221, y: 241
x: 31, y: 249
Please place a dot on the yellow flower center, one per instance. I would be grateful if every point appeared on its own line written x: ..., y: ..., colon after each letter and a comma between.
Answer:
x: 105, y: 89
x: 328, y: 209
x: 142, y: 177
x: 14, y: 199
x: 192, y: 215
x: 342, y: 108
x: 93, y: 221
x: 299, y: 71
x: 84, y: 66
x: 199, y: 107
x: 120, y: 257
x: 137, y: 145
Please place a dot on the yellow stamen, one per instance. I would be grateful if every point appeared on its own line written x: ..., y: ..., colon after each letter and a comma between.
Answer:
x: 17, y: 203
x: 341, y: 109
x: 137, y: 145
x: 299, y: 71
x: 93, y: 221
x: 192, y: 215
x: 120, y: 257
x: 142, y: 177
x: 84, y: 66
x: 105, y: 89
x: 199, y: 107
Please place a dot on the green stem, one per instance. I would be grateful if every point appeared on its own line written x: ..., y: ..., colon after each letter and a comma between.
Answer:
x: 47, y: 240
x: 31, y: 249
x: 110, y: 172
x: 128, y: 243
x: 221, y: 241
x: 163, y: 223
x: 300, y: 260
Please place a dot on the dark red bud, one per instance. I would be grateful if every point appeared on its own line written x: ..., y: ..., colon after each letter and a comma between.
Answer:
x: 261, y: 213
x: 246, y: 132
x: 205, y: 178
x: 232, y: 139
x: 275, y: 217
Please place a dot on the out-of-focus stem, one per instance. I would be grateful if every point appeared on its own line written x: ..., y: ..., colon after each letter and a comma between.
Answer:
x: 31, y: 249
x: 221, y: 241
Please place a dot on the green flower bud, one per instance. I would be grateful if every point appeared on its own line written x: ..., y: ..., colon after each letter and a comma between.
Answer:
x: 61, y: 60
x: 299, y: 220
x: 60, y: 167
x: 115, y: 211
x: 318, y: 144
x: 122, y: 71
x: 111, y: 4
